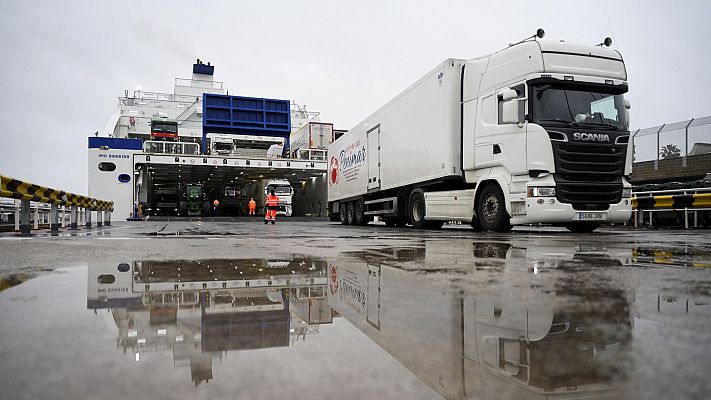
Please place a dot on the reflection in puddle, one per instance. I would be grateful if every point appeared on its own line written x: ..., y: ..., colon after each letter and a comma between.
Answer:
x: 198, y: 310
x: 506, y: 342
x: 506, y: 319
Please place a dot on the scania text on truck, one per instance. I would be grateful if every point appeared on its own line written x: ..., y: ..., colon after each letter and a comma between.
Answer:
x: 535, y: 133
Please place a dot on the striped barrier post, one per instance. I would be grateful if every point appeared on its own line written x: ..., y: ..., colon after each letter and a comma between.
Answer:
x: 99, y: 218
x: 73, y: 218
x: 87, y: 218
x: 25, y: 218
x: 54, y: 218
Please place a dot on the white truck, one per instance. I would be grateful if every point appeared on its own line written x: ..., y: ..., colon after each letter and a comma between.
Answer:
x: 282, y: 188
x: 535, y: 133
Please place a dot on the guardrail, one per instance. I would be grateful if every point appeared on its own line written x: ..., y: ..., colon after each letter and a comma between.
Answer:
x: 27, y: 192
x: 681, y: 200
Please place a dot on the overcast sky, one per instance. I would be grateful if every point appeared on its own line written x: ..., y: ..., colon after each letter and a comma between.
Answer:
x: 64, y: 63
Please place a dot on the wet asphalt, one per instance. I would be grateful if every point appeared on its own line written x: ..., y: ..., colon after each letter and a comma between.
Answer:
x: 307, y: 308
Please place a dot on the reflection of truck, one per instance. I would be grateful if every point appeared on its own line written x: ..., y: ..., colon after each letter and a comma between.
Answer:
x: 282, y: 188
x: 164, y: 128
x: 535, y: 133
x: 502, y: 340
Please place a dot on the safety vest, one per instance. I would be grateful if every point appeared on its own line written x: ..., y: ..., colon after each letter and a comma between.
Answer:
x: 252, y: 204
x: 272, y: 201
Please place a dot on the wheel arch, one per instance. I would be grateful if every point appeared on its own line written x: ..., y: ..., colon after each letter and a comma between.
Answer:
x: 497, y: 179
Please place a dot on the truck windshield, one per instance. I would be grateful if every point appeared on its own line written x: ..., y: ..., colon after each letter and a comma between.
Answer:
x: 568, y: 107
x: 163, y: 127
x: 279, y: 189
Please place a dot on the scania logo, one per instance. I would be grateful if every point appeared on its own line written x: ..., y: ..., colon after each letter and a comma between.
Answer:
x: 591, y: 137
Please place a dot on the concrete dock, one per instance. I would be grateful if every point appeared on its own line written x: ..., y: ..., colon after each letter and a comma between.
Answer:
x: 307, y: 308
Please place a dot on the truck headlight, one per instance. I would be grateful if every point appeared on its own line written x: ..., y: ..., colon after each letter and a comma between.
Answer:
x: 626, y: 193
x: 536, y: 191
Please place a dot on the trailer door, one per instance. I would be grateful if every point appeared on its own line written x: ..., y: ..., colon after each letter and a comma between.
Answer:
x: 373, y: 156
x: 373, y: 296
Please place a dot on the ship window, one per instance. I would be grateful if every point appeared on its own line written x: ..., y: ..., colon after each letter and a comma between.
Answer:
x: 106, y: 279
x: 107, y: 166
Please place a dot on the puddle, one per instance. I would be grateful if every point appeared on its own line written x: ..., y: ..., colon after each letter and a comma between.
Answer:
x: 445, y: 317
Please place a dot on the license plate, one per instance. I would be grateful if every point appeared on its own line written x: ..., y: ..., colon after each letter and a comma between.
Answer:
x: 590, y: 216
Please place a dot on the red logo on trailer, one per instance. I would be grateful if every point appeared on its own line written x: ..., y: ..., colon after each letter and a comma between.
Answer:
x: 333, y: 279
x: 333, y: 168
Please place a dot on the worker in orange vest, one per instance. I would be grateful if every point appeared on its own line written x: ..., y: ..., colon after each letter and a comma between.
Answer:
x: 272, y: 207
x: 252, y: 206
x: 216, y: 208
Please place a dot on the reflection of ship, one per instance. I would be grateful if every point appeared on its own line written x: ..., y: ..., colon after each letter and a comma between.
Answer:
x: 511, y: 338
x: 201, y: 309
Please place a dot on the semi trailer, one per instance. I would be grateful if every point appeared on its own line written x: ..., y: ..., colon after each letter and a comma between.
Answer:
x: 537, y: 133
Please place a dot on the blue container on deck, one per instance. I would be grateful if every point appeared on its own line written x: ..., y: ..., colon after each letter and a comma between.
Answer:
x: 245, y: 115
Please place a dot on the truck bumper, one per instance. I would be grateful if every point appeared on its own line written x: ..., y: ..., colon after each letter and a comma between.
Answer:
x: 554, y: 212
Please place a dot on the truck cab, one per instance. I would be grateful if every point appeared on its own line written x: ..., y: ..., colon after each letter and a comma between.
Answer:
x: 548, y: 125
x: 222, y: 145
x: 282, y: 188
x: 164, y: 128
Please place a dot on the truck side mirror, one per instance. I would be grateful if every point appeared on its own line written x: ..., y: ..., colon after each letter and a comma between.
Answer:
x: 509, y: 110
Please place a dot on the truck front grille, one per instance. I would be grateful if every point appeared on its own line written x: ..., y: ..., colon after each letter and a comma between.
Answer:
x: 589, y: 175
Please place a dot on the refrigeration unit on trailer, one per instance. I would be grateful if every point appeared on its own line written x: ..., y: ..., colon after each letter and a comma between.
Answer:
x: 313, y: 135
x: 535, y: 133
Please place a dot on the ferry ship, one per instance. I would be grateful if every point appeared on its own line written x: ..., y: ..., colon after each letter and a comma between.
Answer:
x: 202, y: 152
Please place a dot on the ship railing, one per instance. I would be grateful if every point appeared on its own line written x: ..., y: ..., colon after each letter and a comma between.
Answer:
x: 34, y: 205
x: 309, y: 154
x: 198, y: 83
x: 163, y: 147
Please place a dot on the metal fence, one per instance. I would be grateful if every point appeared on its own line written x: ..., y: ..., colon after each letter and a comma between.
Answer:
x: 675, y: 140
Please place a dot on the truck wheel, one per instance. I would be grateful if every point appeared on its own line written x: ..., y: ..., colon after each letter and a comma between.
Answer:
x: 417, y: 209
x: 342, y: 213
x: 582, y: 227
x: 491, y: 210
x: 360, y: 218
x: 350, y: 213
